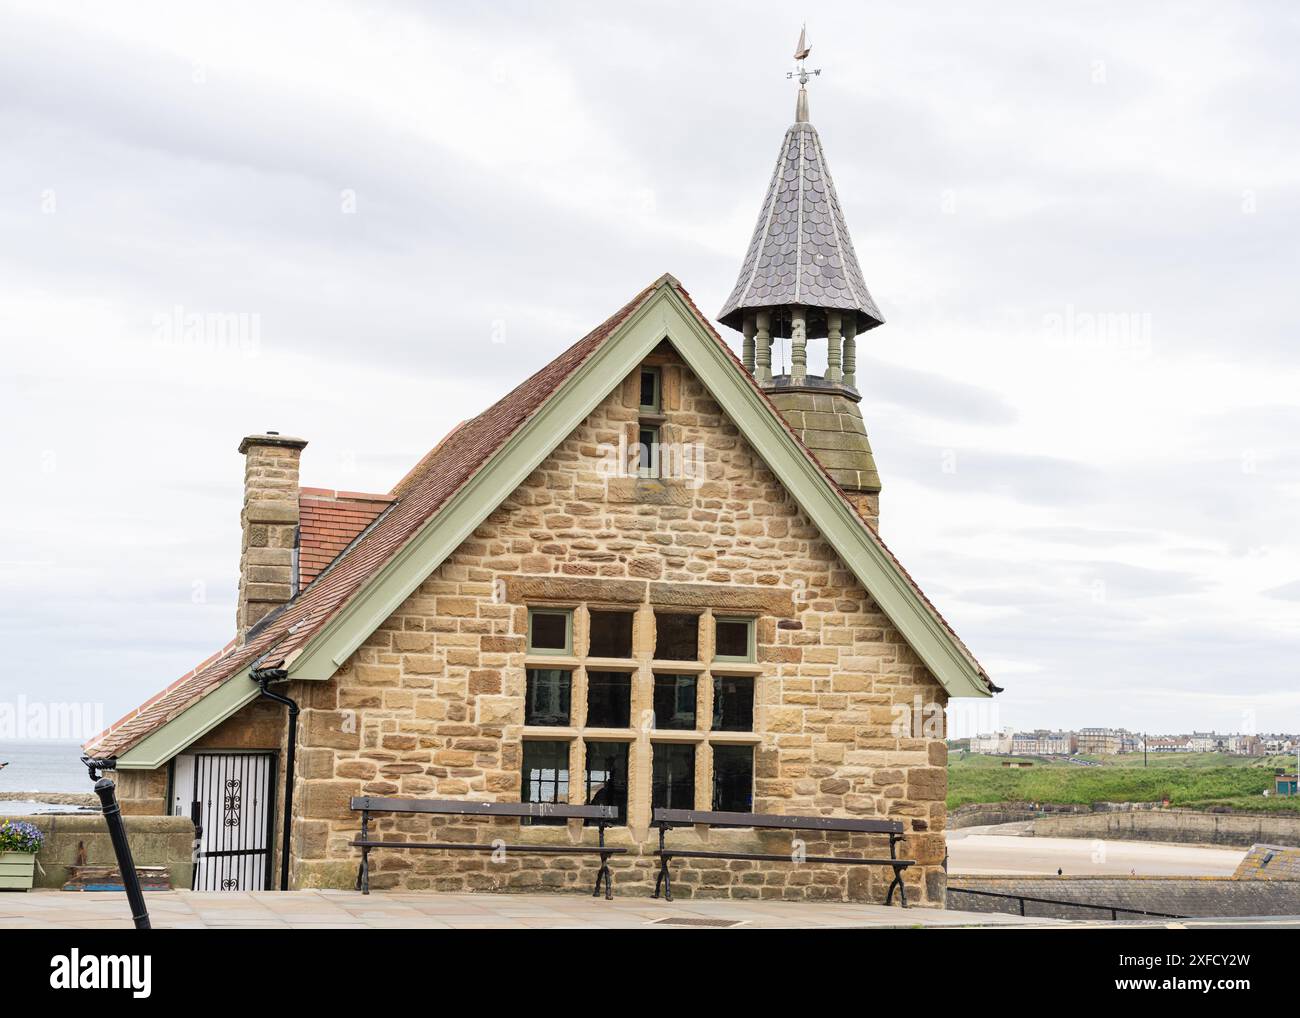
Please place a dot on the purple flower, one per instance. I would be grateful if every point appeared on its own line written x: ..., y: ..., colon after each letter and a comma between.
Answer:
x: 20, y: 836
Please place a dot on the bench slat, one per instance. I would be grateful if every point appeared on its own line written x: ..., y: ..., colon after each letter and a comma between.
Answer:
x: 475, y: 847
x: 469, y: 807
x: 761, y: 857
x: 773, y: 821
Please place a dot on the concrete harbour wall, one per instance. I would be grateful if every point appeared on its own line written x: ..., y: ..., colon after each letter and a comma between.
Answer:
x: 1178, y: 826
x: 1178, y: 896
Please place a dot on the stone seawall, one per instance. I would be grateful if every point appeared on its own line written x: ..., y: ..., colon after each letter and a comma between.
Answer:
x: 1179, y: 826
x: 979, y: 814
x: 1177, y: 896
x: 155, y: 841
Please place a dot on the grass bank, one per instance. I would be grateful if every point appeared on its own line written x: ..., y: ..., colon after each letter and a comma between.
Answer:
x: 1193, y: 780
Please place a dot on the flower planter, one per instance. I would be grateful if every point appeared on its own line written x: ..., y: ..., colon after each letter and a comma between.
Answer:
x: 17, y: 870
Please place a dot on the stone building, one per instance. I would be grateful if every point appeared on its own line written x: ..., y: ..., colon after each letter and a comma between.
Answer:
x: 648, y: 575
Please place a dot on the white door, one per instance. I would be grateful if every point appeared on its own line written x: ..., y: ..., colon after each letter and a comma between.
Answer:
x: 230, y: 797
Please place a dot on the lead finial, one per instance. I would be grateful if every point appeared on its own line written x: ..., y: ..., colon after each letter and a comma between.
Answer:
x: 802, y: 74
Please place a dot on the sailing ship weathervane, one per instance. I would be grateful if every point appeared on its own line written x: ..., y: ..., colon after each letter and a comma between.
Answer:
x: 802, y: 74
x: 801, y: 52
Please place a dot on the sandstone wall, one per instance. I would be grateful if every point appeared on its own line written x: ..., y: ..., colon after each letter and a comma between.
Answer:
x: 432, y: 703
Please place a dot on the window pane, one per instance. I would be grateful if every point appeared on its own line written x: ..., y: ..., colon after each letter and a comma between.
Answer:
x: 733, y: 638
x: 675, y: 701
x: 609, y: 700
x: 673, y: 783
x: 546, y: 776
x: 611, y: 634
x: 607, y: 776
x: 548, y: 631
x: 677, y: 637
x: 648, y: 442
x: 733, y: 779
x: 547, y: 699
x: 733, y: 704
x: 650, y: 389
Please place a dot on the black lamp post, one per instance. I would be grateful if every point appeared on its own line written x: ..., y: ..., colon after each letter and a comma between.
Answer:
x: 107, y: 792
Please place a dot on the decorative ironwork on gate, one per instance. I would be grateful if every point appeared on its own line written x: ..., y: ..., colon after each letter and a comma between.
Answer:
x: 233, y: 801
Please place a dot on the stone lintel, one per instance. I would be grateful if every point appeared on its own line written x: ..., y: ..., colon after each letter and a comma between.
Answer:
x: 570, y: 589
x: 723, y: 597
x: 767, y: 600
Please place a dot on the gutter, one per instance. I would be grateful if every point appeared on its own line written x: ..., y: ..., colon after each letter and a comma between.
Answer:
x: 275, y: 671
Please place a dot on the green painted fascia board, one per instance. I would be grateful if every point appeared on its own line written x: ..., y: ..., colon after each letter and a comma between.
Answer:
x: 509, y: 467
x: 192, y: 723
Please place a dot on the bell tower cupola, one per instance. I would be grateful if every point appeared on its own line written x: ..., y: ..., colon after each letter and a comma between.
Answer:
x: 800, y: 282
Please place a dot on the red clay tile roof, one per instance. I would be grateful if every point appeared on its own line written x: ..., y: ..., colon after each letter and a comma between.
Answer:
x: 418, y: 496
x: 329, y: 522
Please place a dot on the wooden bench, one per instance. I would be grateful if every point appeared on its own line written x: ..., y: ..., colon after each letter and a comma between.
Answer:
x: 603, y: 815
x: 666, y: 819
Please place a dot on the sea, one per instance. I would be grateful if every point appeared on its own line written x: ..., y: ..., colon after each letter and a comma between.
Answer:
x: 39, y: 765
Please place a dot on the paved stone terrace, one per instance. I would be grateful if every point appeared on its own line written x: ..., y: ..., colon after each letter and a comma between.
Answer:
x: 428, y: 910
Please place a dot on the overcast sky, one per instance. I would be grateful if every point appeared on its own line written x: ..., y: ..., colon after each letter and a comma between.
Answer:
x: 1080, y: 222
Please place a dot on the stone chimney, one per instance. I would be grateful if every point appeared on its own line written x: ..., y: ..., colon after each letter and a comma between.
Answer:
x: 270, y: 526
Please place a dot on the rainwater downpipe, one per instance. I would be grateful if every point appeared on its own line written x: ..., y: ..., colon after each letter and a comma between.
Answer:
x: 263, y: 676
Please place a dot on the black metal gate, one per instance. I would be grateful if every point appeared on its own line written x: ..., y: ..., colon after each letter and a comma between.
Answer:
x: 233, y: 809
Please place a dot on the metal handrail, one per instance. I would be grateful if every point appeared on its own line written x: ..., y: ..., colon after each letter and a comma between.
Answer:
x: 1114, y: 910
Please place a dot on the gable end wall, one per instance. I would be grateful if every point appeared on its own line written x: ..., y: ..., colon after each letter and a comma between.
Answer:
x: 431, y: 705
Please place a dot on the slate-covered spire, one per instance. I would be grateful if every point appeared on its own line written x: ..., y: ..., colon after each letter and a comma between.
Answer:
x: 801, y: 253
x: 800, y: 281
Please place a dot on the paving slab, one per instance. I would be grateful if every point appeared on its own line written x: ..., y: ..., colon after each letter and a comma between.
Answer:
x: 317, y: 909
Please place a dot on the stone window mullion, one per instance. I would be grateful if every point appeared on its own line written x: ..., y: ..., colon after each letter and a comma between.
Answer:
x: 639, y: 765
x: 704, y: 776
x: 577, y: 772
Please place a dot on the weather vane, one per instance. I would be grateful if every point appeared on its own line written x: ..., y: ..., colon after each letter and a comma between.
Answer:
x: 801, y: 52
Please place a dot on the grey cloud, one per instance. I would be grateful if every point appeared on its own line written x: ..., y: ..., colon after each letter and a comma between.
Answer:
x: 1286, y: 592
x: 931, y: 394
x: 988, y: 183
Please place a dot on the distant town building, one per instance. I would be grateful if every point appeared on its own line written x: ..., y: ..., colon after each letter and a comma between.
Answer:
x: 1099, y: 741
x: 1209, y: 742
x: 995, y: 744
x: 1114, y: 741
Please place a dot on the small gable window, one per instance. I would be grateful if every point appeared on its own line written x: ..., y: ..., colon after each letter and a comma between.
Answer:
x: 735, y: 639
x: 550, y: 631
x: 651, y: 396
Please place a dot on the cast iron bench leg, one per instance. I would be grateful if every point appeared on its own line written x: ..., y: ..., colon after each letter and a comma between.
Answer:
x: 603, y: 874
x: 661, y: 879
x: 902, y: 891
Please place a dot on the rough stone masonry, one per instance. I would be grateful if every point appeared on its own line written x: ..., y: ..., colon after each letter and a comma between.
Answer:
x: 432, y: 705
